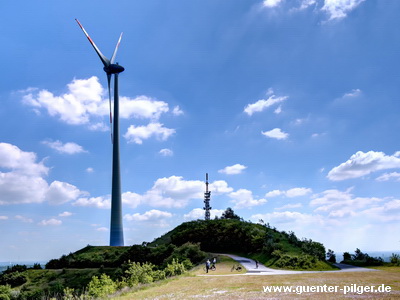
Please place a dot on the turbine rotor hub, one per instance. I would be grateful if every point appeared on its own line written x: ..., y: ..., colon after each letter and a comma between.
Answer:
x: 113, y: 69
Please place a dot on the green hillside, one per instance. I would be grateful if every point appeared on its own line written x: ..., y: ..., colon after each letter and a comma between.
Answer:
x: 266, y: 244
x: 176, y: 251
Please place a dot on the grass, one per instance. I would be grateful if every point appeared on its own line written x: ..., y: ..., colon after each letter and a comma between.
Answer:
x: 192, y: 286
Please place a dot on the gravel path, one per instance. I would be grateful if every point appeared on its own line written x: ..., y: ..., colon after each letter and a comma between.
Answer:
x: 251, y: 268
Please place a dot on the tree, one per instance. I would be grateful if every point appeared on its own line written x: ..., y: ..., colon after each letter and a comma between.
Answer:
x: 331, y: 256
x: 229, y: 214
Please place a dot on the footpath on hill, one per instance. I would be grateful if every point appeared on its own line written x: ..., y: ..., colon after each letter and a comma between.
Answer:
x: 252, y: 268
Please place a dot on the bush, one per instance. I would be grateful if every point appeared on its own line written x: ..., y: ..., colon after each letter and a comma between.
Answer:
x: 395, y: 259
x: 295, y: 262
x: 175, y: 268
x: 13, y: 279
x: 139, y: 273
x: 101, y: 286
x: 5, y: 292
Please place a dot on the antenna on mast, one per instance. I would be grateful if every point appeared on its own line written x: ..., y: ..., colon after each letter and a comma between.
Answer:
x: 207, y: 197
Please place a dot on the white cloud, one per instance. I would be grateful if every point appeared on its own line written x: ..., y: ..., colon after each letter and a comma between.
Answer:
x: 24, y: 183
x: 67, y: 148
x: 136, y: 134
x: 169, y: 192
x: 219, y: 187
x: 89, y: 170
x: 353, y: 93
x: 389, y: 211
x: 276, y: 133
x: 152, y: 215
x: 338, y: 9
x: 103, y: 229
x: 3, y: 218
x: 289, y: 206
x: 86, y: 100
x: 233, y: 170
x: 285, y: 217
x: 291, y: 193
x: 65, y: 214
x: 177, y: 111
x: 262, y: 104
x: 361, y: 164
x: 388, y: 176
x: 271, y: 3
x: 142, y: 107
x: 98, y: 202
x: 243, y: 198
x: 336, y: 203
x: 50, y: 222
x: 198, y: 213
x: 23, y: 219
x: 166, y: 152
x: 62, y: 192
x: 11, y: 157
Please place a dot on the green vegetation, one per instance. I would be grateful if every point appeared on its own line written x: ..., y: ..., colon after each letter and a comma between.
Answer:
x: 361, y: 259
x: 94, y: 272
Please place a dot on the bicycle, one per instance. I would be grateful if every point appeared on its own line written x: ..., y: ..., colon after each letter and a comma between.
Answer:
x: 236, y: 268
x: 212, y: 268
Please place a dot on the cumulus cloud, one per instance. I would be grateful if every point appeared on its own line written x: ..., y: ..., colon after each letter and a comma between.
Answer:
x: 177, y: 111
x: 50, y: 222
x: 25, y: 183
x: 291, y: 193
x: 243, y: 198
x: 61, y: 192
x: 286, y: 217
x: 263, y: 104
x: 65, y: 214
x: 136, y: 134
x: 86, y: 101
x: 97, y: 202
x: 338, y: 9
x: 389, y: 176
x: 166, y: 152
x: 67, y: 148
x: 173, y: 191
x: 198, y: 213
x: 151, y: 215
x: 341, y: 204
x: 271, y: 3
x: 233, y: 170
x: 276, y: 133
x: 335, y: 9
x: 361, y: 164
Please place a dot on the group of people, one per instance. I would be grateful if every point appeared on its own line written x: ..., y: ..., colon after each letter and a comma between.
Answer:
x: 210, y: 265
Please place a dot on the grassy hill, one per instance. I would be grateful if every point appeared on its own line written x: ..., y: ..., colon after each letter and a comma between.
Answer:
x: 177, y: 250
x: 266, y: 244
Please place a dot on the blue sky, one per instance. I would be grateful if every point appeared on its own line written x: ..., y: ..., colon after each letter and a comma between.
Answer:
x: 290, y: 106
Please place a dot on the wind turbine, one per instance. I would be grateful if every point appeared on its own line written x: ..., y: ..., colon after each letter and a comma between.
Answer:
x: 111, y: 68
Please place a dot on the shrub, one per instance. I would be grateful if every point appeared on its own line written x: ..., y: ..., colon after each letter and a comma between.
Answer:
x: 101, y: 286
x: 175, y: 268
x: 395, y: 259
x: 5, y: 292
x: 13, y: 279
x: 139, y: 273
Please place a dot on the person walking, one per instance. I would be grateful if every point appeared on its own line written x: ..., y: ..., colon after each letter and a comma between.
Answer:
x: 207, y: 265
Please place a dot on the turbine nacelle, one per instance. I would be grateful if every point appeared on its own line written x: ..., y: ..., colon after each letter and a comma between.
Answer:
x: 113, y: 69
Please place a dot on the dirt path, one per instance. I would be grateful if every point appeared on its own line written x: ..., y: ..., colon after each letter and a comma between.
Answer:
x: 252, y: 269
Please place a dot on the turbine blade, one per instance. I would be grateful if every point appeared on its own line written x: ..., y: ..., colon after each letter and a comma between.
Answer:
x: 104, y: 59
x: 116, y: 49
x: 109, y: 101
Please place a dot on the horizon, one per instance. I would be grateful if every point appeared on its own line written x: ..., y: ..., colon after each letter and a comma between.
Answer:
x: 291, y: 107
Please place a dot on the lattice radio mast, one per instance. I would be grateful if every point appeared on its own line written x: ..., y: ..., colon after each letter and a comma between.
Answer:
x: 207, y: 197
